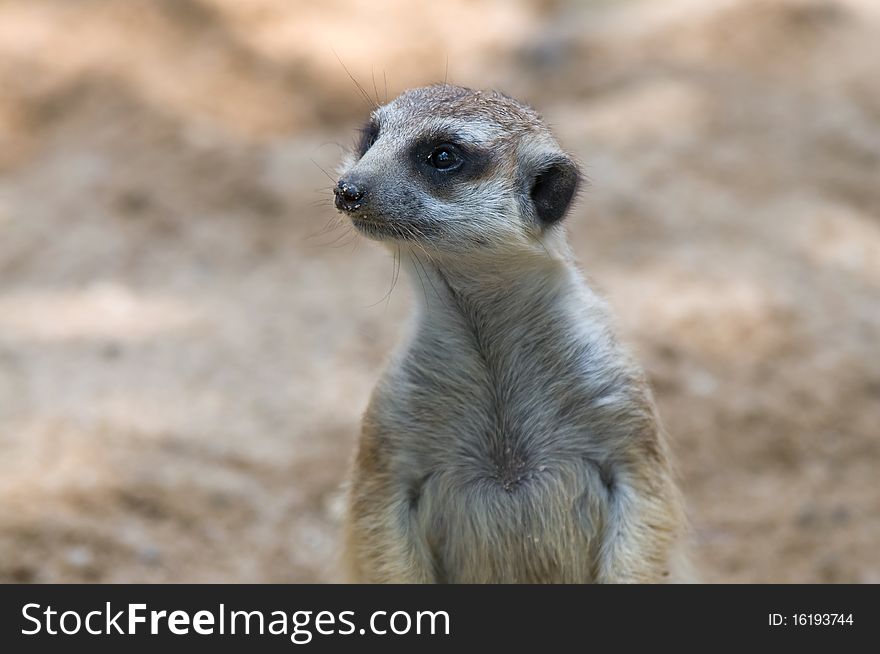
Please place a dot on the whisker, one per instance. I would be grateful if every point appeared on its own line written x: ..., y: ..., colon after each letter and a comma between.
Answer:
x: 414, y: 233
x: 335, y: 243
x: 324, y: 231
x: 431, y: 283
x: 331, y: 225
x: 329, y: 176
x: 360, y: 88
x: 375, y: 90
x: 399, y: 266
x: 338, y: 145
x: 350, y: 232
x: 395, y: 267
x: 415, y: 259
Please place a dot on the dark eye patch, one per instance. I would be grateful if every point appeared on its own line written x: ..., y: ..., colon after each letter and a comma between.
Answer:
x: 368, y: 135
x: 472, y: 162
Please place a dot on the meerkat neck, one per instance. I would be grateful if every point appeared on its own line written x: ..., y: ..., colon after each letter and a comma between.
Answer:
x: 512, y: 335
x: 519, y: 293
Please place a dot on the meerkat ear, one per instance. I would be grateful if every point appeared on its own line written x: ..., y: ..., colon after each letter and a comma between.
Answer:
x: 553, y: 188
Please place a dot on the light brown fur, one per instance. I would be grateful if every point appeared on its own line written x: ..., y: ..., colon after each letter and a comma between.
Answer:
x: 511, y: 438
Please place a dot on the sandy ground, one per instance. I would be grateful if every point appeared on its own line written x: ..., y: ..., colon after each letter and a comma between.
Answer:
x: 184, y: 355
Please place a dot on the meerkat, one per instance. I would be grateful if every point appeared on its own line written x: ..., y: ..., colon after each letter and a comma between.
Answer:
x: 511, y: 438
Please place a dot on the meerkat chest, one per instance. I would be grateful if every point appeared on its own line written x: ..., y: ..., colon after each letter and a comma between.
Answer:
x: 483, y: 448
x: 504, y: 406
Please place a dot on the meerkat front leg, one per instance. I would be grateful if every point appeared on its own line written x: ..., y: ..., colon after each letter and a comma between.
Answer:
x: 643, y: 523
x: 385, y: 549
x: 382, y: 543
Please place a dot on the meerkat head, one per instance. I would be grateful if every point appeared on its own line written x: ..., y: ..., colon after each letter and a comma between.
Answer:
x: 457, y: 170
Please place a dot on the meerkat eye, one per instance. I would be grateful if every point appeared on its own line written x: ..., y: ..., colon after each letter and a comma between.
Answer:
x: 445, y: 157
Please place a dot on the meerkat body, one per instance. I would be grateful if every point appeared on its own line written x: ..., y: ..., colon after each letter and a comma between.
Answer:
x: 511, y: 439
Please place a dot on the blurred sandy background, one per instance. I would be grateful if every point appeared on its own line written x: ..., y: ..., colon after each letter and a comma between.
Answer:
x: 184, y: 356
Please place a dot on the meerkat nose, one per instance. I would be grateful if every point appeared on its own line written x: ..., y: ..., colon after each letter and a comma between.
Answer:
x: 348, y: 195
